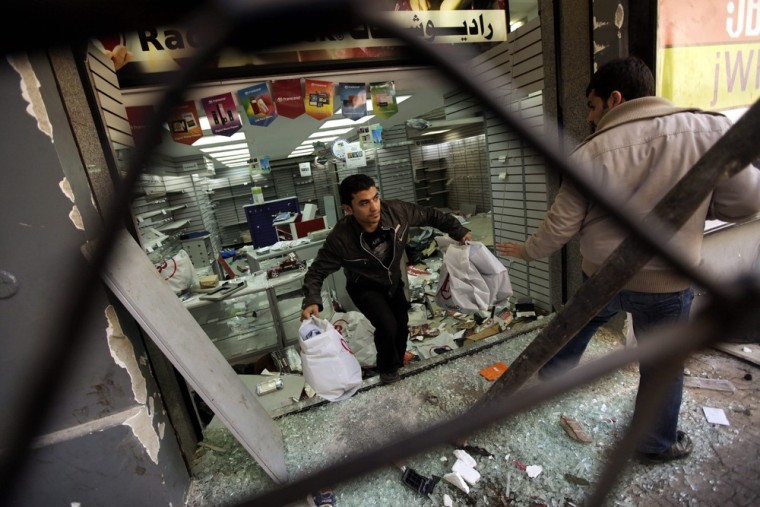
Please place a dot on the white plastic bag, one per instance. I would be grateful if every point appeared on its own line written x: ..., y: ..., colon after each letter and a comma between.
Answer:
x: 178, y: 272
x: 359, y: 332
x: 329, y: 365
x: 472, y: 279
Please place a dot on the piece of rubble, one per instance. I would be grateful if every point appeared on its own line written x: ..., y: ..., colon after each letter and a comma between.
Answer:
x: 457, y: 480
x: 469, y: 460
x: 574, y: 429
x: 533, y: 471
x: 447, y: 501
x: 467, y: 472
x: 709, y: 383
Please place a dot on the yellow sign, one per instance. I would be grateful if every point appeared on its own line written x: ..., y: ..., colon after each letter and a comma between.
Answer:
x: 714, y: 77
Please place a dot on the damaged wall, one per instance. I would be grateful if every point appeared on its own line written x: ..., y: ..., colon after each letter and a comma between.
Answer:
x: 105, y: 438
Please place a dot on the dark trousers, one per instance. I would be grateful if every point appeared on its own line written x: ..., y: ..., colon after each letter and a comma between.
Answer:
x: 390, y: 316
x: 648, y: 311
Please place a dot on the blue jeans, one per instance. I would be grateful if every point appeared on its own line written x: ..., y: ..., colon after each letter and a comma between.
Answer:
x: 647, y: 310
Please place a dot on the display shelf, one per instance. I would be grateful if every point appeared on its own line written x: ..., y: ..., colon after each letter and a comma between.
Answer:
x: 174, y: 225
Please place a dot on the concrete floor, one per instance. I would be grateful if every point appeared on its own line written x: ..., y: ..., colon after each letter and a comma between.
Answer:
x: 723, y: 469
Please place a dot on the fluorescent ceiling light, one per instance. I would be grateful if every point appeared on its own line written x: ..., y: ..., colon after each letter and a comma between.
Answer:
x: 240, y: 161
x: 346, y: 121
x: 294, y: 154
x: 433, y: 132
x: 331, y: 132
x: 229, y: 153
x: 225, y: 147
x: 237, y: 136
x: 322, y: 140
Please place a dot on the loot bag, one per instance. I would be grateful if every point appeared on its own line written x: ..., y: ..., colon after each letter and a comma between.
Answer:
x: 329, y: 365
x: 359, y: 332
x: 178, y: 272
x: 494, y: 274
x: 472, y: 279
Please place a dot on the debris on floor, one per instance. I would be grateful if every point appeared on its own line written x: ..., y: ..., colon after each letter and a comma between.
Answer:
x: 574, y: 429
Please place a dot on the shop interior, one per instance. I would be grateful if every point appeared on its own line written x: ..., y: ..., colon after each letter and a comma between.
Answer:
x: 242, y: 256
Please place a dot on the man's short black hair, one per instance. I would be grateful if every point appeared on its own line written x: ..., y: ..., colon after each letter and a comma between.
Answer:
x: 353, y: 184
x: 630, y: 76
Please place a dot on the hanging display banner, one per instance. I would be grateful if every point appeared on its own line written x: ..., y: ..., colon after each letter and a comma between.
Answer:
x: 318, y: 98
x: 708, y: 54
x: 353, y: 97
x: 288, y: 97
x: 184, y: 125
x: 383, y: 98
x: 258, y: 104
x: 222, y: 114
x: 138, y: 118
x: 355, y: 156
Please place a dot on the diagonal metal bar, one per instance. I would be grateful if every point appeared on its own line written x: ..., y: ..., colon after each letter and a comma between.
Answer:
x: 732, y: 153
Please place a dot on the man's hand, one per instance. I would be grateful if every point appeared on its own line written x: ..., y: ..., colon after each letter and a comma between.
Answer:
x: 512, y: 250
x: 467, y: 237
x: 309, y: 311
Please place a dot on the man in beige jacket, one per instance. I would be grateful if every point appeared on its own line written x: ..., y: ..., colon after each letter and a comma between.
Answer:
x: 641, y: 147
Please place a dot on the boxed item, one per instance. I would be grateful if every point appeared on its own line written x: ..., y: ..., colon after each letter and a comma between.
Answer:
x: 209, y: 281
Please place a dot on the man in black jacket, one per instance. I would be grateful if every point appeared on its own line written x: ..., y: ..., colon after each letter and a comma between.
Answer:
x: 368, y: 244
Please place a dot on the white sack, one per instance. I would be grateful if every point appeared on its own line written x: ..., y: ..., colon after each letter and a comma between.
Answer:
x: 359, y: 332
x: 329, y: 365
x: 472, y: 279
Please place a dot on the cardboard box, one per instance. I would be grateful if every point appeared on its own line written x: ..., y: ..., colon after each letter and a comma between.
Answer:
x: 209, y: 281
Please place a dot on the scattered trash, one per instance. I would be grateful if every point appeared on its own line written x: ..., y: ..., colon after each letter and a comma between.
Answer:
x: 462, y: 455
x: 447, y: 501
x: 574, y: 429
x: 417, y: 482
x: 578, y: 481
x: 457, y: 480
x: 708, y: 383
x: 746, y: 349
x: 715, y: 416
x: 466, y: 471
x: 477, y: 450
x: 519, y: 465
x: 494, y: 371
x: 444, y: 459
x: 212, y: 447
x: 534, y: 470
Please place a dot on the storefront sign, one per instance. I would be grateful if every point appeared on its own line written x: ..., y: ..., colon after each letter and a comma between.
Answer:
x: 709, y: 53
x: 166, y: 49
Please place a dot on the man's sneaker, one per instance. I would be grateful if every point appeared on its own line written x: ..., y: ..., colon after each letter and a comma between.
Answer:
x: 680, y: 449
x: 324, y: 498
x: 389, y: 378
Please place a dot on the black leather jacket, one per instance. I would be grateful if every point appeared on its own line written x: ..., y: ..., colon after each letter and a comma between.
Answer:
x: 345, y: 247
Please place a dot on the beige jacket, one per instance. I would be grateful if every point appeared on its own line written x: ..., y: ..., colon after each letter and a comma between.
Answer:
x: 638, y: 153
